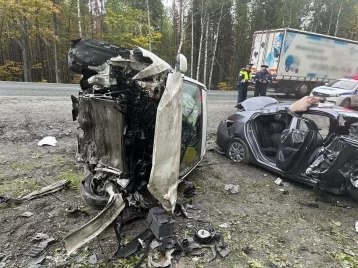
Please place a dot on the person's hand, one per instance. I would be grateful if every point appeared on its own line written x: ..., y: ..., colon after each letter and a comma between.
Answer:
x: 264, y: 81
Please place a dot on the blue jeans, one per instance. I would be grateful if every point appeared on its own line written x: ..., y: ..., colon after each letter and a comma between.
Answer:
x: 242, y: 93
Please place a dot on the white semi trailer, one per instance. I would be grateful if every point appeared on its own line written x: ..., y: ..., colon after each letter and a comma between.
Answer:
x: 300, y: 61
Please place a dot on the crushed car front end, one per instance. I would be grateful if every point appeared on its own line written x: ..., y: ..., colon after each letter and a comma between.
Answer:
x: 142, y: 128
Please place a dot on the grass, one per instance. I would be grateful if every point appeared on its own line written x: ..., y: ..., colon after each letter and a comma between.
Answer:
x: 74, y: 176
x: 19, y: 187
x: 21, y: 166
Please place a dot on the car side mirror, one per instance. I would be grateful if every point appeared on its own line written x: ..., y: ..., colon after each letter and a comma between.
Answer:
x: 181, y: 63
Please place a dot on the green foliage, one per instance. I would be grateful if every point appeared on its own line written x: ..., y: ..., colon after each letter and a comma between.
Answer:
x: 128, y: 26
x: 346, y: 260
x: 10, y: 70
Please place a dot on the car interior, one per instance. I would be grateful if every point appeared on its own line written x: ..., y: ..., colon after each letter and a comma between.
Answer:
x: 269, y: 129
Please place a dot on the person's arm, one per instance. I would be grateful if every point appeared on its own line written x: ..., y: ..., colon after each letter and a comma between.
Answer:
x: 257, y: 77
x: 240, y: 78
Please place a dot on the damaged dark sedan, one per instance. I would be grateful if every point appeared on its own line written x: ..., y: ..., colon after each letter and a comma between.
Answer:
x: 317, y: 146
x: 142, y: 129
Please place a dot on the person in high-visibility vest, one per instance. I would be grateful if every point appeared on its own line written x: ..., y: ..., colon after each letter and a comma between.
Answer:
x: 244, y: 80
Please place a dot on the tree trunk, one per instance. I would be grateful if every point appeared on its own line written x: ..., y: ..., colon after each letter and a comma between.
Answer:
x: 202, y: 26
x: 181, y: 29
x: 25, y: 50
x: 79, y: 18
x: 149, y: 41
x: 338, y: 16
x: 192, y: 42
x: 215, y: 47
x: 206, y: 50
x: 330, y: 19
x: 54, y: 22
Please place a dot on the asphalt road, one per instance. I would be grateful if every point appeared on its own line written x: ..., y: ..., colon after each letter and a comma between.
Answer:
x: 18, y: 89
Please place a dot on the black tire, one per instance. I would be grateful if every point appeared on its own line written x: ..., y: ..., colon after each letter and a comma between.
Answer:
x: 238, y: 151
x: 346, y: 103
x: 352, y: 190
x: 303, y: 89
x: 89, y: 197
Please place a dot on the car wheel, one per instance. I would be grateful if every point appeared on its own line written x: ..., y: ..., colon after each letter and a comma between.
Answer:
x: 238, y: 151
x: 303, y: 90
x: 88, y: 195
x: 352, y: 184
x: 346, y: 103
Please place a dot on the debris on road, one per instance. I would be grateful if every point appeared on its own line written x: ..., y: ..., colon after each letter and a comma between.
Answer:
x: 278, y: 181
x: 189, y: 191
x: 4, y: 198
x: 161, y: 224
x: 234, y: 189
x: 55, y: 187
x: 49, y: 189
x: 356, y: 226
x: 224, y: 225
x: 42, y: 241
x: 308, y: 204
x: 50, y: 141
x: 76, y: 211
x: 283, y: 191
x: 27, y: 214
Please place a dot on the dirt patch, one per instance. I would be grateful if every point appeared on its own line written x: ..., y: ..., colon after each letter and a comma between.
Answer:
x: 265, y: 227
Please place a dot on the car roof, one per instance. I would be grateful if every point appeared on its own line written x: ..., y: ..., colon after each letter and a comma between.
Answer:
x: 194, y: 81
x: 348, y: 79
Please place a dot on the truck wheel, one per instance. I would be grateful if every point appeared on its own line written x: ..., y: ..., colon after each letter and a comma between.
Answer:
x: 238, y: 151
x: 303, y: 90
x: 346, y: 103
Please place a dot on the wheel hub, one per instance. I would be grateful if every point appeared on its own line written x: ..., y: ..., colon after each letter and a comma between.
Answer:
x: 236, y: 152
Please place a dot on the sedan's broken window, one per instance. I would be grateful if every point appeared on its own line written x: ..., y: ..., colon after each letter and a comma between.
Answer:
x: 323, y: 123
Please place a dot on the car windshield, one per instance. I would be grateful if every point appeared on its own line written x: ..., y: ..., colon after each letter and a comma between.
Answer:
x: 343, y: 84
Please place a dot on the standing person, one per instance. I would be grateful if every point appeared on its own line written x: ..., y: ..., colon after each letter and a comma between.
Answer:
x: 245, y: 77
x: 262, y: 79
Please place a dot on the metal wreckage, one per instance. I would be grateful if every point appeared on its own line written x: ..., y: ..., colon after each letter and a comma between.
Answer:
x: 142, y: 129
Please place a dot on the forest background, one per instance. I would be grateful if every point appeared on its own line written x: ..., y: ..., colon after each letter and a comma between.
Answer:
x: 214, y: 35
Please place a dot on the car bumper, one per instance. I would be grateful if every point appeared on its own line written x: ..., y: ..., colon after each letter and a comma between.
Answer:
x: 222, y: 135
x: 336, y: 100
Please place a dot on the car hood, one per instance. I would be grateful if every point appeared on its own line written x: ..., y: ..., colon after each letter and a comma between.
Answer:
x: 328, y: 90
x: 257, y: 103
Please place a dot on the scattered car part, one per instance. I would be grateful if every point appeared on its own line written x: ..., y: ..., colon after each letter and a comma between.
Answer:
x: 278, y: 181
x: 131, y: 247
x: 55, y: 187
x: 160, y: 222
x: 51, y: 141
x: 42, y: 241
x: 94, y: 227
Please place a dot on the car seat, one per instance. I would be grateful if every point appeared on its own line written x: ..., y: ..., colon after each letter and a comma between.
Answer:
x: 276, y: 129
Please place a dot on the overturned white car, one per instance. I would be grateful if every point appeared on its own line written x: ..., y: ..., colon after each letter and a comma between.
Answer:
x: 142, y: 129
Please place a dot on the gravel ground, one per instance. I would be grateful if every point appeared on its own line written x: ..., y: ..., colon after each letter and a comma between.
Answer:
x: 265, y: 228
